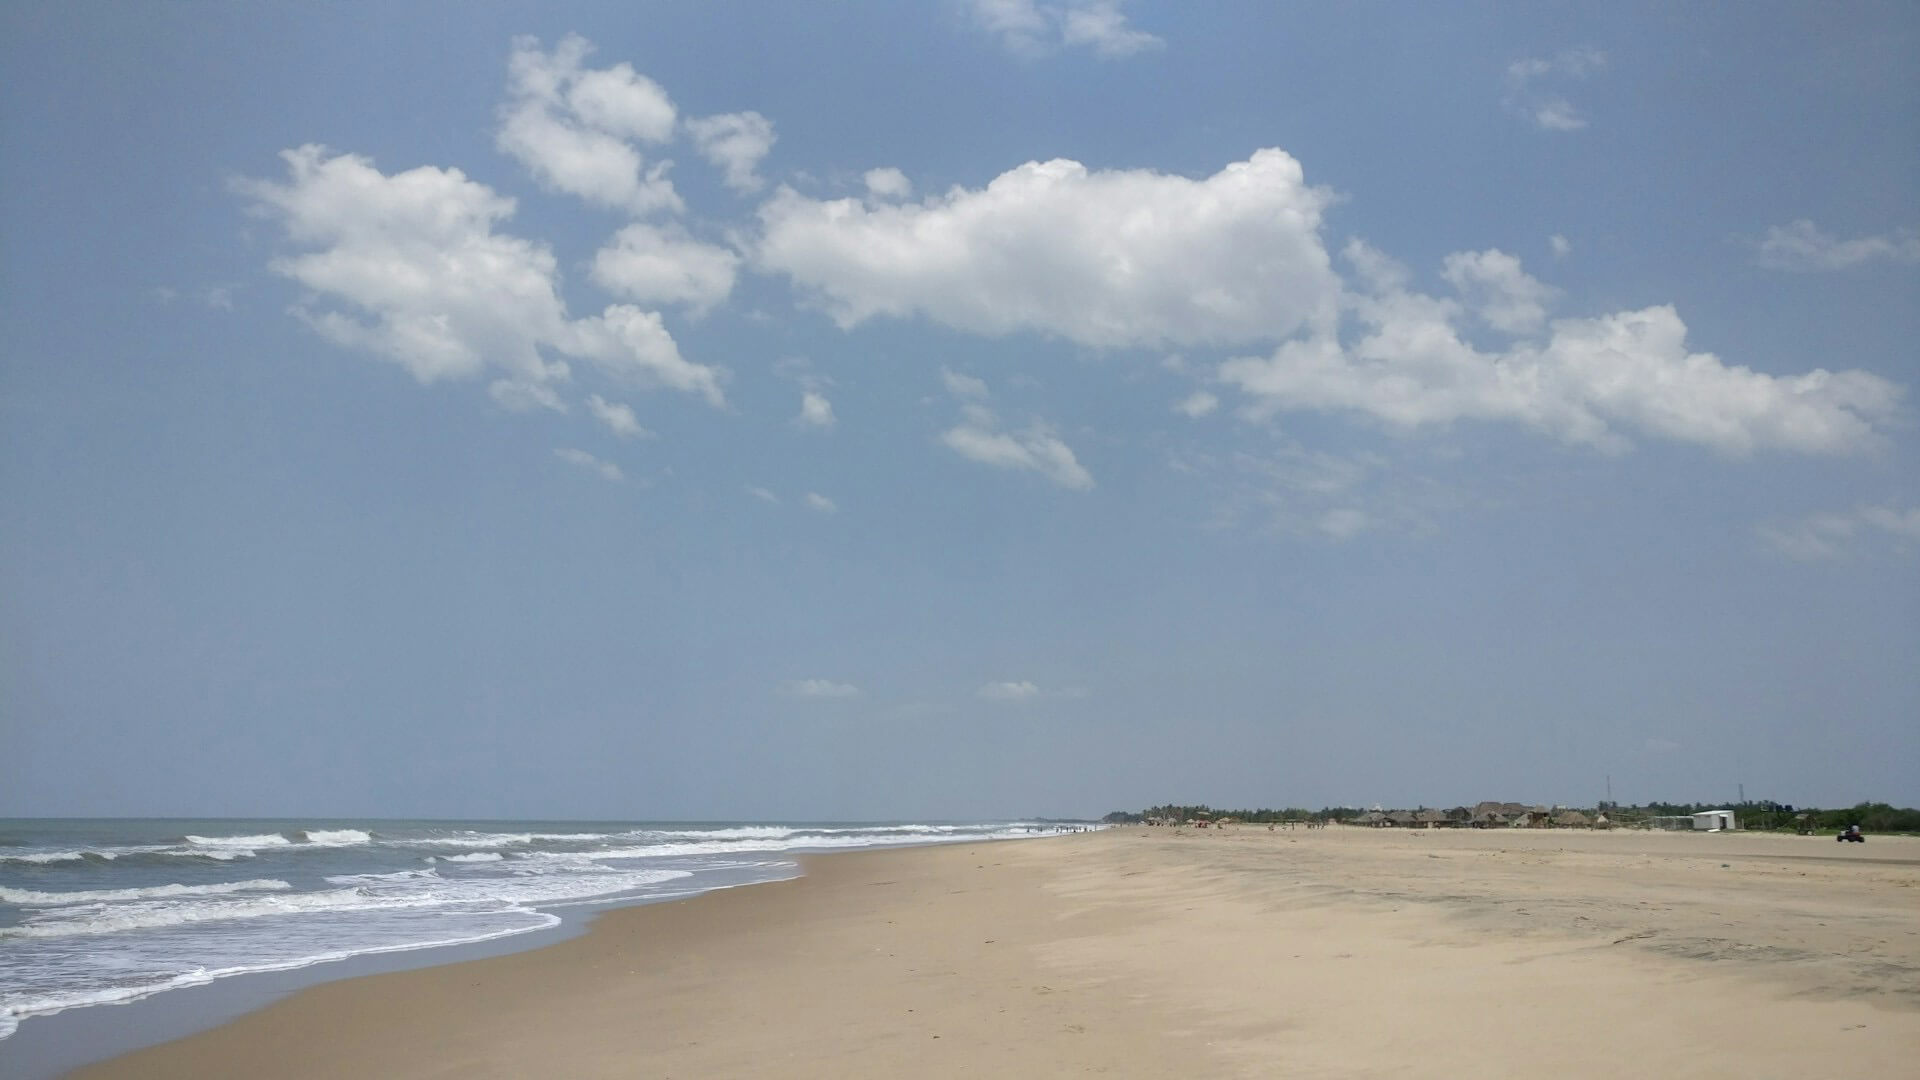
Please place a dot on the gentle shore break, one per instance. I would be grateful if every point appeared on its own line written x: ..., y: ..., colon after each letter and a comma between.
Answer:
x: 1147, y: 952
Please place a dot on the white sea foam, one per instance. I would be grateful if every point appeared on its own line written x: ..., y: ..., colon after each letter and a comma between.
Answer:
x: 17, y: 1007
x: 29, y: 898
x: 336, y: 837
x: 500, y: 892
x: 41, y: 858
x: 109, y: 854
x: 382, y: 879
x: 260, y: 841
x: 163, y: 931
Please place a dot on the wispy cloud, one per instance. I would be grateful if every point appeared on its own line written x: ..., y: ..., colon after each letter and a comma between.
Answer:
x: 1009, y: 691
x: 1837, y: 534
x: 617, y: 417
x: 820, y: 688
x: 1036, y: 28
x: 1802, y: 246
x: 1531, y: 87
x: 580, y: 459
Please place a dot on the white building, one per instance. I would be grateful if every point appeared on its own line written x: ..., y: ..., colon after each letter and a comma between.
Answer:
x: 1715, y: 821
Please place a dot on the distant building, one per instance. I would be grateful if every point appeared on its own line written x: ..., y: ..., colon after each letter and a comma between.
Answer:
x: 1715, y: 821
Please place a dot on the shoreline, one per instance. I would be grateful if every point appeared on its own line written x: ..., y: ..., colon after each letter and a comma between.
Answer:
x: 1147, y: 953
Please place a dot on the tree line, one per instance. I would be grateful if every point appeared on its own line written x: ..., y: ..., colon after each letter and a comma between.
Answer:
x: 1753, y: 814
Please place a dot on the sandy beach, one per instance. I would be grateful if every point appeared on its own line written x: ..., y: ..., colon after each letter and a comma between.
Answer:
x: 1156, y: 952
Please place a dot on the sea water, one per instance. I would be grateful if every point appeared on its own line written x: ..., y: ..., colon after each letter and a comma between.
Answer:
x: 97, y: 912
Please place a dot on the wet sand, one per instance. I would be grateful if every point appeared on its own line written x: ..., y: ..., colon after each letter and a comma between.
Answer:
x: 1155, y: 952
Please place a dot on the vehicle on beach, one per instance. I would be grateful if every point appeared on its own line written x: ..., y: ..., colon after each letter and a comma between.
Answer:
x: 1851, y: 836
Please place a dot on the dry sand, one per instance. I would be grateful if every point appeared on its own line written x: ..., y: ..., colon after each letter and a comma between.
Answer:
x: 1157, y: 953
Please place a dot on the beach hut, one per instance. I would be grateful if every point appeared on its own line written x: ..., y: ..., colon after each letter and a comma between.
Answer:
x: 1433, y: 819
x: 1572, y: 819
x: 1715, y: 821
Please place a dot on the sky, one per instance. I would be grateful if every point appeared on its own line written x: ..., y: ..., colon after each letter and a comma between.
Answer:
x: 962, y: 409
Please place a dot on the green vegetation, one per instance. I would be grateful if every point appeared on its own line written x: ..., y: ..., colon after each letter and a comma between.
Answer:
x: 1172, y: 812
x: 1872, y: 817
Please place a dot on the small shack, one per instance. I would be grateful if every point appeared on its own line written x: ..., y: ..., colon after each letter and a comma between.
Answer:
x: 1715, y: 821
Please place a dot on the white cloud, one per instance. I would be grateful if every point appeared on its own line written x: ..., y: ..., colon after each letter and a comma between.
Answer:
x: 409, y: 267
x: 618, y: 417
x: 980, y: 438
x: 820, y: 503
x: 1526, y: 97
x: 1342, y: 523
x: 735, y: 143
x: 574, y: 127
x: 663, y: 265
x: 1502, y: 294
x: 764, y: 495
x: 821, y: 688
x: 1009, y: 691
x: 1556, y: 114
x: 962, y: 385
x: 633, y: 346
x: 1099, y: 25
x: 1197, y: 405
x: 1113, y: 258
x: 580, y: 459
x: 518, y: 395
x: 414, y: 259
x: 1560, y: 245
x: 1411, y: 368
x: 888, y: 183
x: 1834, y: 534
x: 1032, y: 29
x: 1802, y: 246
x: 815, y: 410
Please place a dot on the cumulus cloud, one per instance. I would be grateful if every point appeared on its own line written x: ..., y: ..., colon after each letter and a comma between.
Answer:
x: 1009, y: 691
x: 617, y: 417
x: 580, y: 459
x: 888, y: 183
x: 634, y: 348
x: 1410, y: 367
x: 1495, y: 287
x: 1111, y: 258
x: 1531, y: 83
x: 820, y: 688
x: 820, y: 503
x: 575, y: 127
x: 1835, y: 534
x: 664, y: 265
x: 763, y: 495
x: 735, y: 143
x: 815, y: 410
x: 1030, y: 28
x: 409, y: 267
x: 1560, y: 246
x: 1803, y: 246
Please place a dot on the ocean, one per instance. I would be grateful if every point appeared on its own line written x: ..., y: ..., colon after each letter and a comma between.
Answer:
x: 97, y: 912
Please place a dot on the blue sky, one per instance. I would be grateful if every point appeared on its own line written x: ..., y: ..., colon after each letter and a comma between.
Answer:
x: 873, y: 411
